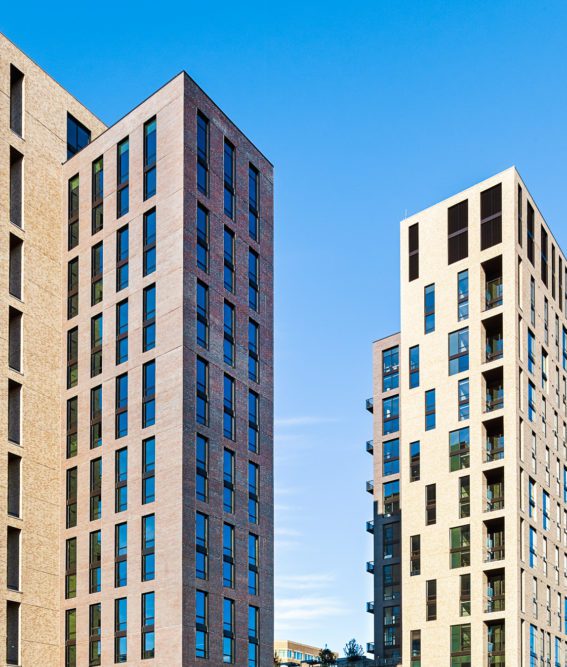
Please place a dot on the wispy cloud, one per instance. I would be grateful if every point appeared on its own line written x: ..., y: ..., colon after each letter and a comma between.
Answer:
x: 304, y: 582
x: 305, y: 420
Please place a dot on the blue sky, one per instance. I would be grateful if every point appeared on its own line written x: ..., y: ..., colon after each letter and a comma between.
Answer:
x: 368, y: 110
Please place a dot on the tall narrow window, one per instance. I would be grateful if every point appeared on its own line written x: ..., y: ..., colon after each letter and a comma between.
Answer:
x: 97, y: 215
x: 390, y: 415
x: 149, y: 242
x: 461, y: 645
x: 94, y: 635
x: 13, y: 558
x: 14, y: 412
x: 78, y: 136
x: 431, y: 600
x: 228, y: 408
x: 430, y: 504
x: 544, y: 256
x: 463, y: 399
x: 414, y: 367
x: 16, y: 101
x: 491, y: 217
x: 70, y: 638
x: 430, y: 417
x: 464, y: 497
x: 202, y: 468
x: 460, y: 541
x: 96, y: 489
x: 228, y: 179
x: 72, y: 426
x: 202, y: 238
x: 149, y: 394
x: 253, y: 351
x: 96, y: 417
x: 148, y: 625
x: 122, y: 255
x: 391, y: 368
x: 253, y: 201
x: 202, y: 314
x: 413, y: 251
x: 120, y: 555
x: 415, y: 648
x: 15, y: 266
x: 253, y: 421
x: 459, y: 449
x: 121, y: 480
x: 391, y: 457
x: 229, y: 331
x: 123, y: 178
x: 71, y: 498
x: 202, y: 403
x: 531, y: 233
x: 96, y: 345
x: 253, y: 273
x: 148, y: 547
x: 96, y: 273
x: 415, y: 555
x: 253, y: 564
x: 520, y: 208
x: 459, y: 351
x: 253, y: 636
x: 73, y: 288
x: 122, y: 332
x: 458, y: 231
x: 228, y: 481
x: 429, y: 309
x: 415, y: 461
x: 72, y: 357
x: 121, y: 406
x: 228, y: 555
x: 202, y: 154
x: 228, y: 259
x: 120, y: 630
x: 228, y: 633
x: 73, y: 212
x: 463, y: 295
x: 201, y: 625
x: 15, y: 339
x: 148, y: 470
x: 149, y: 318
x: 150, y: 158
x: 14, y: 485
x: 253, y: 492
x: 94, y: 561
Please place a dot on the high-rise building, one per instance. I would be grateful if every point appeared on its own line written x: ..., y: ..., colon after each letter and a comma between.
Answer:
x: 136, y: 277
x: 470, y: 439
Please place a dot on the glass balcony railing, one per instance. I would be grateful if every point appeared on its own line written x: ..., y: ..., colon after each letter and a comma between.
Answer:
x: 370, y: 404
x: 494, y: 293
x: 370, y: 527
x: 494, y: 448
x: 494, y: 502
x: 370, y: 486
x: 370, y: 446
x: 494, y: 347
x: 370, y: 566
x: 370, y: 607
x: 370, y: 647
x: 494, y: 398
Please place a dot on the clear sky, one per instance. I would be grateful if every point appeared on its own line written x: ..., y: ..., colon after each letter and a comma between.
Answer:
x: 368, y: 110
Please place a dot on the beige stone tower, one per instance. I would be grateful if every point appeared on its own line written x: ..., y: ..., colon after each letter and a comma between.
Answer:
x: 470, y: 439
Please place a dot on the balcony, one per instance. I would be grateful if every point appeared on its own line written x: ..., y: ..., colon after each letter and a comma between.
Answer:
x: 494, y: 431
x: 494, y: 383
x: 370, y: 566
x: 494, y: 490
x: 370, y: 647
x: 370, y: 486
x: 493, y: 283
x: 494, y: 339
x: 370, y: 405
x: 370, y: 607
x: 496, y: 644
x: 370, y: 527
x: 495, y: 544
x: 495, y: 591
x: 370, y: 446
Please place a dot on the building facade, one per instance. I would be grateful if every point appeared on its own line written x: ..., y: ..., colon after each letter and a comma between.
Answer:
x: 470, y: 439
x: 295, y: 653
x: 159, y: 401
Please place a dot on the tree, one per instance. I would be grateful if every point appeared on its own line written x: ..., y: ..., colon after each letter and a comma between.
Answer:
x: 353, y: 651
x: 326, y: 656
x: 277, y: 660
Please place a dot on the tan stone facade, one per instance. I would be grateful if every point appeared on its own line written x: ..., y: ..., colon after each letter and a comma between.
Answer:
x: 483, y: 572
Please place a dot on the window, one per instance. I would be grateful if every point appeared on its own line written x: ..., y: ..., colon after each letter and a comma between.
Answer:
x: 201, y: 625
x: 96, y: 345
x: 121, y: 480
x: 532, y: 301
x: 228, y: 179
x: 533, y: 547
x: 544, y: 261
x: 464, y: 497
x: 96, y: 489
x: 97, y: 215
x: 228, y: 343
x: 120, y: 630
x: 429, y: 309
x: 148, y: 471
x: 71, y: 498
x: 14, y: 485
x: 491, y: 217
x: 72, y: 414
x: 564, y: 349
x: 460, y: 546
x: 531, y: 401
x: 15, y: 339
x: 71, y: 568
x: 228, y: 631
x: 14, y: 411
x: 150, y: 157
x: 15, y: 268
x: 149, y: 394
x: 464, y: 399
x: 123, y: 176
x: 414, y: 367
x: 391, y: 497
x: 459, y: 351
x: 465, y: 595
x: 391, y: 457
x: 461, y: 645
x: 253, y: 636
x: 16, y: 100
x: 202, y: 238
x: 253, y: 564
x: 96, y: 273
x: 430, y: 504
x: 390, y: 369
x: 78, y: 136
x: 415, y: 648
x: 202, y: 468
x: 520, y: 224
x: 122, y: 332
x: 94, y: 635
x: 531, y: 351
x: 228, y: 481
x: 531, y: 234
x: 96, y: 417
x: 415, y: 555
x: 253, y: 201
x: 149, y: 242
x: 458, y: 231
x: 121, y: 406
x: 94, y: 561
x: 72, y: 204
x: 122, y: 254
x: 72, y: 357
x: 149, y: 318
x: 431, y: 600
x: 253, y: 492
x: 228, y: 259
x: 390, y: 415
x: 253, y: 272
x: 228, y: 407
x: 253, y: 421
x: 202, y: 154
x: 148, y: 625
x: 413, y: 251
x: 430, y: 409
x: 228, y: 555
x: 253, y: 351
x: 463, y: 295
x: 201, y: 546
x: 120, y: 555
x: 459, y: 448
x: 202, y: 403
x: 73, y: 288
x: 545, y: 510
x: 148, y: 547
x: 202, y: 314
x: 70, y: 638
x: 544, y: 369
x: 415, y: 461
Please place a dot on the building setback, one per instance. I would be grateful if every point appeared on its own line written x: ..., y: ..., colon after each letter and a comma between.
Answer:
x: 470, y: 439
x: 145, y: 443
